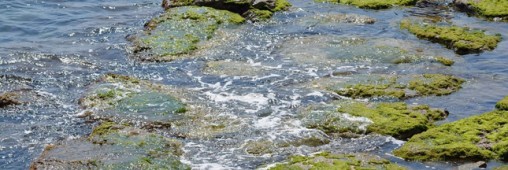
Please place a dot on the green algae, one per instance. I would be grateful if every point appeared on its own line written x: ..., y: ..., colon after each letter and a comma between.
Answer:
x: 445, y: 61
x: 502, y: 104
x: 394, y: 87
x: 461, y: 39
x: 330, y: 161
x: 487, y: 8
x: 114, y: 146
x: 373, y: 4
x: 373, y: 90
x: 436, y: 84
x: 480, y: 137
x: 259, y: 147
x: 395, y: 119
x: 504, y: 167
x: 180, y: 30
x: 281, y: 5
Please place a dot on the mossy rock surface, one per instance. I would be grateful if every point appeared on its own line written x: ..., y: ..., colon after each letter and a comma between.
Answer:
x: 395, y: 119
x: 114, y: 146
x: 396, y: 87
x: 180, y: 31
x: 267, y: 145
x: 373, y: 4
x: 329, y: 161
x: 462, y: 40
x: 486, y: 8
x: 502, y: 104
x: 445, y: 61
x: 480, y: 137
x: 255, y: 10
x: 234, y: 68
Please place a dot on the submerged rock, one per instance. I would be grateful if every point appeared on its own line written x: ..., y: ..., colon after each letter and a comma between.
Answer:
x: 234, y: 68
x: 373, y: 4
x: 461, y: 39
x: 395, y: 87
x: 113, y: 146
x: 335, y: 50
x: 445, y: 61
x: 7, y: 99
x: 393, y: 119
x: 251, y: 9
x: 180, y: 31
x: 273, y: 144
x: 480, y: 137
x: 125, y: 99
x: 327, y: 160
x: 492, y: 9
x: 333, y: 19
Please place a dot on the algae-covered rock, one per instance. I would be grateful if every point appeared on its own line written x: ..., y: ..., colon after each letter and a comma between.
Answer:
x: 487, y: 8
x: 480, y: 137
x: 180, y: 31
x: 125, y: 99
x: 445, y: 61
x: 502, y: 104
x: 282, y: 140
x: 336, y: 124
x: 395, y: 87
x: 7, y: 99
x: 337, y: 50
x: 461, y: 39
x: 113, y: 146
x: 327, y: 160
x: 395, y: 119
x: 251, y: 9
x: 435, y: 84
x: 504, y: 167
x: 373, y: 4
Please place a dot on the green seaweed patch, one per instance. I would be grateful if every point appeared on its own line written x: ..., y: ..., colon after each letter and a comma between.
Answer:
x: 330, y: 161
x: 373, y: 4
x: 259, y: 15
x: 486, y: 8
x: 461, y: 39
x: 503, y: 167
x: 281, y: 5
x: 393, y: 87
x: 502, y: 104
x: 436, y: 84
x: 180, y: 30
x: 444, y: 61
x: 395, y: 119
x: 382, y: 87
x: 480, y: 137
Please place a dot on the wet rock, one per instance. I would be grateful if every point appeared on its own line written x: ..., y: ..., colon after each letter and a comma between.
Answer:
x: 492, y: 9
x: 327, y: 160
x: 461, y: 39
x: 470, y: 166
x: 251, y: 9
x: 373, y: 4
x: 7, y: 99
x: 125, y: 99
x: 400, y: 88
x: 502, y: 104
x: 113, y: 146
x: 393, y: 119
x: 234, y: 68
x: 480, y: 137
x: 181, y: 31
x: 281, y: 141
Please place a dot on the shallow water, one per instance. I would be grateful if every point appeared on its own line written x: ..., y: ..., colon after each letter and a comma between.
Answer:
x: 57, y: 48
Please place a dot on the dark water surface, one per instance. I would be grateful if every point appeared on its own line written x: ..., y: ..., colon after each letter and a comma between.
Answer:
x: 55, y: 48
